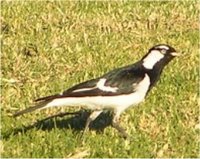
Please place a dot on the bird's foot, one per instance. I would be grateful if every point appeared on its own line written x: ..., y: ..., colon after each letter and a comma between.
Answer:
x: 120, y: 129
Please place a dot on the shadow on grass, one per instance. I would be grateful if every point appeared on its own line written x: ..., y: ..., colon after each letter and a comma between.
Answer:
x: 76, y: 122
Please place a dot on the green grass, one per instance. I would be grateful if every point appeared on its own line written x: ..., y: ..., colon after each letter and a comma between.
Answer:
x: 47, y: 47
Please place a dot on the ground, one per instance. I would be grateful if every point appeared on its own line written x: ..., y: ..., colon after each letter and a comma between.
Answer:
x: 48, y: 46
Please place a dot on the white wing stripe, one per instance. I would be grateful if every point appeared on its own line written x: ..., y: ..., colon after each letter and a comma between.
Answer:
x: 99, y: 85
x: 84, y: 89
x: 102, y: 87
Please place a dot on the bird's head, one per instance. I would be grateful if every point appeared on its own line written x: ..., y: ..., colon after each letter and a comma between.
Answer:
x: 160, y: 54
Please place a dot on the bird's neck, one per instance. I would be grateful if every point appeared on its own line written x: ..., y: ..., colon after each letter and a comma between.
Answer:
x: 154, y: 74
x: 151, y: 59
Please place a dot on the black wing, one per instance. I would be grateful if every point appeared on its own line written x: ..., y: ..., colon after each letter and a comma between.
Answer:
x: 87, y: 84
x: 124, y: 79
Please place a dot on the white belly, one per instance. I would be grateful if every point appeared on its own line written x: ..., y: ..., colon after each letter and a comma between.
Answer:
x: 117, y: 103
x: 99, y: 102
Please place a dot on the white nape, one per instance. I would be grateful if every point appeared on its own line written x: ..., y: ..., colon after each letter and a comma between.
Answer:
x: 152, y: 58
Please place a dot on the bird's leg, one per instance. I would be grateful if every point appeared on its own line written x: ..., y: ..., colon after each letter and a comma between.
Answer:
x: 115, y: 124
x: 92, y: 117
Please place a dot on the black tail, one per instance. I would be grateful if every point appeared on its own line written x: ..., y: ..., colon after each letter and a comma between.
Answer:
x: 30, y: 109
x: 47, y: 98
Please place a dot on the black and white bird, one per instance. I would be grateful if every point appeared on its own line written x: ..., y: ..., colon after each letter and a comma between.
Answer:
x: 116, y: 90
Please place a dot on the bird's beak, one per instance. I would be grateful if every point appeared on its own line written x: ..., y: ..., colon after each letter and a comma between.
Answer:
x: 175, y: 54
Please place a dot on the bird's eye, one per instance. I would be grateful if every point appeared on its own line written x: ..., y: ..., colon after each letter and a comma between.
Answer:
x: 163, y: 51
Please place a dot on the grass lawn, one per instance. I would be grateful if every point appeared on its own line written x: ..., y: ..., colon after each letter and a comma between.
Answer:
x: 48, y: 46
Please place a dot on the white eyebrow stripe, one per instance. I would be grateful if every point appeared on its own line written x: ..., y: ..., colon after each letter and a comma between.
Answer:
x: 102, y: 87
x: 163, y: 47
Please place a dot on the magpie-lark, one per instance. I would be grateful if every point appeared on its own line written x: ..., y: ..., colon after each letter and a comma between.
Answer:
x: 116, y: 90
